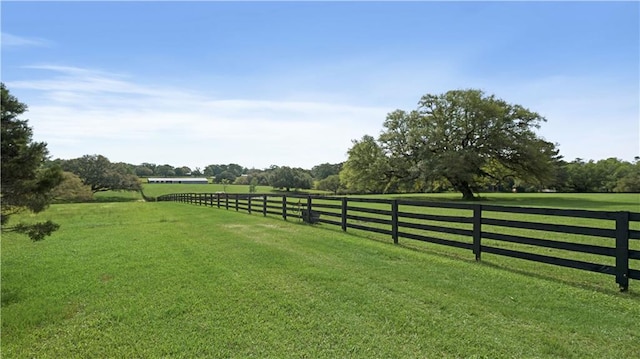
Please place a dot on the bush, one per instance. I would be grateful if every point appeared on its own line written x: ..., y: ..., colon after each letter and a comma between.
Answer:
x: 72, y: 190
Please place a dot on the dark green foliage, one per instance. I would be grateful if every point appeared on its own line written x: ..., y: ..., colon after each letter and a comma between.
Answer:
x: 72, y: 190
x: 100, y: 174
x: 287, y: 178
x: 142, y: 171
x: 25, y: 183
x: 331, y: 183
x: 36, y: 231
x: 183, y: 171
x: 227, y: 176
x: 367, y: 169
x: 325, y: 170
x: 460, y: 136
x: 609, y: 175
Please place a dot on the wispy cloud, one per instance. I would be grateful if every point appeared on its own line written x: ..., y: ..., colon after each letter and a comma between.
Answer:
x: 10, y: 40
x: 81, y: 111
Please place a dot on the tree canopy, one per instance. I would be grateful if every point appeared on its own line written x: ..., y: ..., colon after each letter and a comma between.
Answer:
x: 100, y: 174
x: 367, y: 168
x: 25, y: 183
x: 461, y: 136
x: 287, y: 178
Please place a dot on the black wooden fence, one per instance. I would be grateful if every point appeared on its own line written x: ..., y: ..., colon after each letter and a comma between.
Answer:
x: 480, y: 228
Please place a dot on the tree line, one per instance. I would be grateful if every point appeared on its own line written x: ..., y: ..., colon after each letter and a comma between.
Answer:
x: 461, y: 140
x: 94, y: 173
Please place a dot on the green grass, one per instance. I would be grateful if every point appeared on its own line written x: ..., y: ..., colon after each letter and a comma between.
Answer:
x: 602, y: 202
x: 589, y: 201
x: 141, y: 279
x: 158, y: 189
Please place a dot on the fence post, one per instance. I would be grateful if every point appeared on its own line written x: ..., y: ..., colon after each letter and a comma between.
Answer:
x: 218, y: 199
x: 394, y: 221
x: 226, y: 201
x: 264, y: 205
x: 284, y: 207
x: 622, y: 250
x: 237, y: 195
x: 249, y: 204
x: 477, y: 230
x: 344, y: 214
x: 308, y: 209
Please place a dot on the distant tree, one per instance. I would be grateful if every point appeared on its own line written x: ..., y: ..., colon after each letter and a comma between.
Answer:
x: 456, y: 134
x: 196, y: 172
x: 25, y: 184
x: 583, y: 176
x: 325, y: 170
x: 225, y: 176
x: 252, y: 185
x: 242, y: 180
x: 182, y: 171
x: 72, y: 189
x: 165, y: 171
x: 331, y: 183
x: 236, y: 169
x: 142, y: 171
x: 151, y: 166
x: 212, y: 170
x: 261, y: 176
x: 287, y: 178
x: 630, y: 182
x: 367, y: 169
x: 225, y: 182
x: 611, y: 170
x: 100, y: 174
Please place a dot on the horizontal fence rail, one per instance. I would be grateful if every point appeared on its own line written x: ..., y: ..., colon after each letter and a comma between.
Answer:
x: 476, y: 227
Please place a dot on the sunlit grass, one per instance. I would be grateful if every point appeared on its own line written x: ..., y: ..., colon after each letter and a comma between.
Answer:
x: 173, y: 280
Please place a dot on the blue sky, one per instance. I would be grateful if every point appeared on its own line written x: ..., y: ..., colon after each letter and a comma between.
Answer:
x: 293, y: 83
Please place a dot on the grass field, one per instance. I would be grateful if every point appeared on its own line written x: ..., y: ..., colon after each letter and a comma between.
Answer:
x: 135, y: 279
x: 158, y: 189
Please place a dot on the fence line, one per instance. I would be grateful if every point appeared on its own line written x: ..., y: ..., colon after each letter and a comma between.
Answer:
x: 477, y: 229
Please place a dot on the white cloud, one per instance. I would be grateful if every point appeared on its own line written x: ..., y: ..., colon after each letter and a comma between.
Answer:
x: 9, y: 40
x: 81, y: 111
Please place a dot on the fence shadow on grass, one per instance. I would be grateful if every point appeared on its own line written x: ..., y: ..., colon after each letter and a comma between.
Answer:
x: 475, y: 227
x: 558, y: 279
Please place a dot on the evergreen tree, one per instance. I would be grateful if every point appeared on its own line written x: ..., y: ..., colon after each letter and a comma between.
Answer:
x: 25, y: 184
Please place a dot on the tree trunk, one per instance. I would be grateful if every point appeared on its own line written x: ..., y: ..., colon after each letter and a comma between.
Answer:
x: 467, y: 193
x: 464, y: 188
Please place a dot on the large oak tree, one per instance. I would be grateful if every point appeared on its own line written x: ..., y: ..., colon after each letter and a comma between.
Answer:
x: 462, y: 136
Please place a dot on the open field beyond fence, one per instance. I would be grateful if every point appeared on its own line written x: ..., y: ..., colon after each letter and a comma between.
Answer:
x: 605, y: 242
x: 165, y: 279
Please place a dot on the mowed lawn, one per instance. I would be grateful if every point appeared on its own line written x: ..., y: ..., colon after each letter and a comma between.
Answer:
x: 147, y: 280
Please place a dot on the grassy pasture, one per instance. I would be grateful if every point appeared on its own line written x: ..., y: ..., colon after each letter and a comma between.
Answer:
x: 601, y: 202
x: 161, y: 279
x: 158, y: 189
